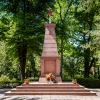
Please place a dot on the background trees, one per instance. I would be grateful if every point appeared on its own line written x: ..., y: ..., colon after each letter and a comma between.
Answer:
x: 22, y: 31
x: 86, y: 15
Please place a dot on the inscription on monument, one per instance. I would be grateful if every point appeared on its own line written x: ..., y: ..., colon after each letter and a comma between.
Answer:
x: 50, y: 66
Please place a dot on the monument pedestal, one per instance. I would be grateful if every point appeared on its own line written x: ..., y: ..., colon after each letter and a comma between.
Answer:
x: 50, y: 60
x: 50, y: 65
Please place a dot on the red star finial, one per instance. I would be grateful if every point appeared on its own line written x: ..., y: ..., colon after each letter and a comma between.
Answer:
x: 50, y: 13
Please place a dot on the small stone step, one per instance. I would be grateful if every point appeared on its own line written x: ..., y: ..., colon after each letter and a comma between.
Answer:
x: 55, y: 84
x: 51, y: 93
x: 50, y: 90
x: 51, y: 87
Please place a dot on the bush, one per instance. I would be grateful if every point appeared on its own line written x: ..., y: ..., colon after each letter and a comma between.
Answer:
x: 9, y: 84
x: 31, y: 79
x: 6, y: 82
x: 66, y: 80
x: 89, y: 83
x: 4, y: 78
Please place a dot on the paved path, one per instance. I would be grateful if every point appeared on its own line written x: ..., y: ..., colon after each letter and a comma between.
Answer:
x: 49, y: 97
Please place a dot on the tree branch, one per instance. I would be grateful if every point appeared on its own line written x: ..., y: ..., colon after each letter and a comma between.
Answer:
x: 67, y: 9
x: 60, y: 10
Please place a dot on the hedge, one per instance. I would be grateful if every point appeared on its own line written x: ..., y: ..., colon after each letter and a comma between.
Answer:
x: 89, y: 83
x: 10, y: 84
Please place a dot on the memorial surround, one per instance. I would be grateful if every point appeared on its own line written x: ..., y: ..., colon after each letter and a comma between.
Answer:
x: 50, y: 63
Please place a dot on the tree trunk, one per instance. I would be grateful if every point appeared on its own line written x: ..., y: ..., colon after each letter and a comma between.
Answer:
x: 62, y: 50
x: 22, y: 51
x: 86, y: 62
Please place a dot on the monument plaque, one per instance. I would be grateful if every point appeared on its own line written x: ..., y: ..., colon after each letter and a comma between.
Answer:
x: 50, y: 66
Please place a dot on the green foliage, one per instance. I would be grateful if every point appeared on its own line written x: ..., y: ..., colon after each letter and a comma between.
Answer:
x: 6, y: 82
x: 89, y: 83
x: 22, y: 26
x: 73, y: 66
x: 86, y: 14
x: 22, y: 34
x: 33, y: 65
x: 10, y: 84
x: 66, y: 79
x: 4, y: 78
x: 8, y: 63
x: 30, y: 79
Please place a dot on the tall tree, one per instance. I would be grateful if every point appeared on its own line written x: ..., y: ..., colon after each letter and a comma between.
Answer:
x: 86, y: 12
x: 62, y: 12
x: 26, y: 26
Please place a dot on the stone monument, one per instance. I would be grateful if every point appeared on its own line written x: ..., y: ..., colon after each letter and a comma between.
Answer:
x: 50, y: 60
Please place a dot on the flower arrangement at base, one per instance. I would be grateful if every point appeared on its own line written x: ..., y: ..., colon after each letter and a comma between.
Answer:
x: 50, y: 78
x: 74, y: 81
x: 26, y: 81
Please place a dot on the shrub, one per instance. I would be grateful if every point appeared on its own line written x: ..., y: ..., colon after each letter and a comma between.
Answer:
x: 4, y: 78
x: 89, y: 82
x: 6, y: 82
x: 66, y: 80
x: 31, y: 79
x: 10, y: 84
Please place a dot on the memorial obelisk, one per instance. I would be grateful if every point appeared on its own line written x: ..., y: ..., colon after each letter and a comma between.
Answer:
x: 50, y: 60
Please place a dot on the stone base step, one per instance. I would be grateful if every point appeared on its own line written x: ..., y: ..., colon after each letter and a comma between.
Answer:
x: 51, y: 89
x: 51, y: 93
x: 54, y: 84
